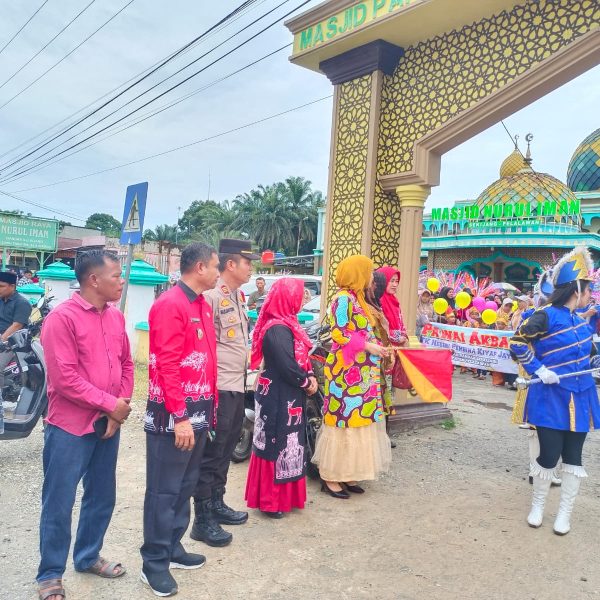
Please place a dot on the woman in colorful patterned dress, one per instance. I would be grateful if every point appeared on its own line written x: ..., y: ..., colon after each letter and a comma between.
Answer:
x: 276, y: 477
x: 352, y: 444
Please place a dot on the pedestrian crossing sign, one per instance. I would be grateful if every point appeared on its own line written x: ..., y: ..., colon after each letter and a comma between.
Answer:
x: 133, y: 214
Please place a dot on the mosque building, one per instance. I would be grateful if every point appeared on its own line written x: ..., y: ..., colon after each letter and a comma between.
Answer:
x: 520, y: 223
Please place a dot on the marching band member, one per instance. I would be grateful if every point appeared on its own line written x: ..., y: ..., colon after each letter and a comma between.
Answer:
x: 552, y: 343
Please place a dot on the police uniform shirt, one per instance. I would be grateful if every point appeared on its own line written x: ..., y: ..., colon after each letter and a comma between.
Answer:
x: 231, y: 328
x: 14, y: 309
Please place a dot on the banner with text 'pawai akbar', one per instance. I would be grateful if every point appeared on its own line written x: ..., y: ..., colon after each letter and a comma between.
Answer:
x: 473, y: 348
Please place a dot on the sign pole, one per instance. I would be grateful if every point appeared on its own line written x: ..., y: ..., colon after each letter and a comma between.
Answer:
x: 127, y: 274
x: 132, y: 228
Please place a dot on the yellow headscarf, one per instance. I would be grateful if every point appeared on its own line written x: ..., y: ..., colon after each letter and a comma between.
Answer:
x: 354, y: 273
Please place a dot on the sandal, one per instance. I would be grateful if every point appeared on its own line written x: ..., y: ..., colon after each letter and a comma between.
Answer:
x: 103, y: 568
x: 51, y: 587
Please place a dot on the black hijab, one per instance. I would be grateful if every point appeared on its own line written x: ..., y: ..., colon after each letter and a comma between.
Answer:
x: 444, y: 294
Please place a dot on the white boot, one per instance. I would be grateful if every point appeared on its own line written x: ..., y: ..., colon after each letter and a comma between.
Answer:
x: 534, y: 452
x: 571, y: 480
x: 542, y: 478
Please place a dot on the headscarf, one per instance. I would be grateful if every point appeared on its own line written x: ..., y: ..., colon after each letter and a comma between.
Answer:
x: 424, y: 309
x: 444, y: 294
x: 281, y: 307
x: 354, y: 273
x: 389, y: 302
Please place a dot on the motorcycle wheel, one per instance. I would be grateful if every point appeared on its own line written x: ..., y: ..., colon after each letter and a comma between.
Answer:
x: 243, y: 448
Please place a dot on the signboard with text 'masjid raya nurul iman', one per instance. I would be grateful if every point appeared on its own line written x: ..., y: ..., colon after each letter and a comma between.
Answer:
x: 26, y: 233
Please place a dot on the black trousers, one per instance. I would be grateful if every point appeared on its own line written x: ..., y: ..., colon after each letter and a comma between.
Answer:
x: 171, y: 476
x: 555, y: 443
x: 216, y: 458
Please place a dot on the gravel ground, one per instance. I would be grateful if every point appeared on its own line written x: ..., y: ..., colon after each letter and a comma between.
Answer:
x: 447, y: 521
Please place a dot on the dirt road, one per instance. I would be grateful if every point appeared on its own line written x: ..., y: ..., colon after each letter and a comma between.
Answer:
x: 448, y: 521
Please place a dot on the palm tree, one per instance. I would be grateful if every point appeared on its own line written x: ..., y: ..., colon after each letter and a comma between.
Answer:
x: 165, y: 235
x: 266, y: 215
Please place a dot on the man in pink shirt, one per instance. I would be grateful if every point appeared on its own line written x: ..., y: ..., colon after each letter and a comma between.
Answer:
x: 90, y: 381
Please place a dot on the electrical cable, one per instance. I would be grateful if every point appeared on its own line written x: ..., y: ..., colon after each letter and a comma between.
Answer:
x: 43, y: 207
x: 150, y: 114
x: 17, y: 172
x: 138, y: 81
x: 44, y: 47
x: 182, y: 147
x: 13, y: 174
x: 22, y: 27
x: 172, y: 54
x: 67, y: 55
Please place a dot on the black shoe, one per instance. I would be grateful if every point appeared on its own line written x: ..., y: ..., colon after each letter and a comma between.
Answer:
x: 342, y: 495
x: 206, y: 529
x: 188, y: 561
x: 355, y: 489
x: 162, y: 584
x: 392, y: 443
x: 223, y: 513
x: 273, y: 515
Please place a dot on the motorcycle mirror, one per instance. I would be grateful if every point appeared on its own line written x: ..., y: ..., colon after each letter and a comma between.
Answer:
x: 40, y: 302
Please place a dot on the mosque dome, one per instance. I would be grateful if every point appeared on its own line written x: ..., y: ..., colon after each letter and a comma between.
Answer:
x: 512, y: 164
x: 528, y: 186
x: 519, y: 183
x: 583, y: 174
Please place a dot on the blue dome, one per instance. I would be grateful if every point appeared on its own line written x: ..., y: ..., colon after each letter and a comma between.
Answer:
x: 583, y: 174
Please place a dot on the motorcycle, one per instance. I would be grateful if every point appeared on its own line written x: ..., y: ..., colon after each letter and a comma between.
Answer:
x: 313, y: 411
x: 24, y: 394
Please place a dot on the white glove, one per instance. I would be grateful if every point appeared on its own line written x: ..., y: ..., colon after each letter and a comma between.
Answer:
x: 547, y: 376
x: 595, y: 362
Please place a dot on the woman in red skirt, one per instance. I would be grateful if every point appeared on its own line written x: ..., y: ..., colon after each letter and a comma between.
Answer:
x: 276, y: 476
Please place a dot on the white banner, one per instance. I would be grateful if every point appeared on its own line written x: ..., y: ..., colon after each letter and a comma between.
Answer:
x: 473, y: 348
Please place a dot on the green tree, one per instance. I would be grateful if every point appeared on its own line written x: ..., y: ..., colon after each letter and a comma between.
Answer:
x: 164, y: 235
x: 265, y: 214
x: 106, y: 223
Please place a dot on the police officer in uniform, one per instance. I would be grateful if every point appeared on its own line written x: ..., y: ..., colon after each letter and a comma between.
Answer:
x: 231, y: 326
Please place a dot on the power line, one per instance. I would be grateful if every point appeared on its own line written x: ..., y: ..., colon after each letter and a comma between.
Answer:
x: 185, y: 49
x: 17, y: 173
x: 40, y: 51
x: 182, y: 147
x: 150, y: 114
x: 23, y: 27
x: 137, y: 82
x: 67, y: 55
x: 42, y: 206
x: 147, y: 91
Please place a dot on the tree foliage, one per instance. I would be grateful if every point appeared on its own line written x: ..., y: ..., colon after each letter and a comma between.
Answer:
x: 106, y: 223
x: 274, y: 216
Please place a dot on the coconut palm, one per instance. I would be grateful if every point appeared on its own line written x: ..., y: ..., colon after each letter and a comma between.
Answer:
x: 164, y: 235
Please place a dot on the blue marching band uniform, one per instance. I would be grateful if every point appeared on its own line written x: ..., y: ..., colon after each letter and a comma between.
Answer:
x: 550, y: 343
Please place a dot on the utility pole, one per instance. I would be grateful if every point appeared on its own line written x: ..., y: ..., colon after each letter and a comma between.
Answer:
x: 300, y: 235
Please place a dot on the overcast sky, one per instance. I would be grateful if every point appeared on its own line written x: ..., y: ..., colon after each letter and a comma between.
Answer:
x: 294, y: 144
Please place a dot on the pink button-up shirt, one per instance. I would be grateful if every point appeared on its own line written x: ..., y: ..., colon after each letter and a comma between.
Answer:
x: 88, y: 363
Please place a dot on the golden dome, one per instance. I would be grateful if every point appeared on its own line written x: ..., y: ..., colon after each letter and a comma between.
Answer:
x: 512, y: 164
x: 527, y: 186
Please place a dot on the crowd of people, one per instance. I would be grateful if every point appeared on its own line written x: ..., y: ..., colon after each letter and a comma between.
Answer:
x: 508, y: 310
x: 198, y: 360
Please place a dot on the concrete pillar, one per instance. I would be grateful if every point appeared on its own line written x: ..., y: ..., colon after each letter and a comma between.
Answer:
x: 412, y: 202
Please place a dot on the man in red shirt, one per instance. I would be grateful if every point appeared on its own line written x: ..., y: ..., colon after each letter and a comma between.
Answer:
x: 182, y: 399
x: 90, y: 381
